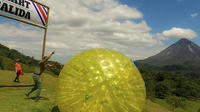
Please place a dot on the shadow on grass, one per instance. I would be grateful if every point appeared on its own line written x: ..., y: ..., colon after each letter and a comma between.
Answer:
x: 55, y: 109
x: 33, y: 98
x: 16, y: 85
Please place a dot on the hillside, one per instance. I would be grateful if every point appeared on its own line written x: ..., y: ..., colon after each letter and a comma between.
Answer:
x: 173, y: 75
x: 8, y: 57
x: 182, y: 55
x: 183, y: 49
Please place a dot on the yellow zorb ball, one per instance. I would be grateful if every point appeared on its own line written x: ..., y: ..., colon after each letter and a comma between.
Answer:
x: 100, y: 80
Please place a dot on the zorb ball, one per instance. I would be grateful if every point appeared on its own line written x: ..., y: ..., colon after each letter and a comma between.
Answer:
x: 100, y: 80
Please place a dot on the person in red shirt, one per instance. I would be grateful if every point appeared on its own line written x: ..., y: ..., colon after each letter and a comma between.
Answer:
x: 18, y: 70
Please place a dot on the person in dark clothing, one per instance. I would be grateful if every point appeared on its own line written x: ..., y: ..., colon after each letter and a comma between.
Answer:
x: 38, y: 74
x: 18, y: 70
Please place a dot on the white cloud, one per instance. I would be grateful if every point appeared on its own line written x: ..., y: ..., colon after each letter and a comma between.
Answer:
x: 56, y: 45
x: 18, y: 31
x: 77, y: 25
x: 177, y: 33
x: 193, y: 15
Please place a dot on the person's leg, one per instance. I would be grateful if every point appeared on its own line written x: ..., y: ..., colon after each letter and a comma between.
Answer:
x: 38, y: 88
x: 17, y: 78
x: 35, y: 86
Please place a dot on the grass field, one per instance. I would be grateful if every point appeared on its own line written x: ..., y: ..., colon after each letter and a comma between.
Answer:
x: 190, y: 106
x: 12, y: 98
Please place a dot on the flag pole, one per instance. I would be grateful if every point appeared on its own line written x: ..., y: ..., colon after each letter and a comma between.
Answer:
x: 45, y: 33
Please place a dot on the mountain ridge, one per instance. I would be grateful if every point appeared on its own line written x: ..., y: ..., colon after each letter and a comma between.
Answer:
x: 183, y: 48
x: 184, y: 54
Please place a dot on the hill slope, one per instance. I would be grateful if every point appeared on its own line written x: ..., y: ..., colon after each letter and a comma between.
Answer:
x: 182, y: 55
x: 175, y: 71
x: 184, y: 49
x: 8, y: 57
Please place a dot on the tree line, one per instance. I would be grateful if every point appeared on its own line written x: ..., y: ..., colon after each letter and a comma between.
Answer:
x: 9, y: 56
x: 175, y: 87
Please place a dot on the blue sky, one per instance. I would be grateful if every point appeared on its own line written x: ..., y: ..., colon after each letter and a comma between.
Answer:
x: 137, y: 28
x: 161, y: 15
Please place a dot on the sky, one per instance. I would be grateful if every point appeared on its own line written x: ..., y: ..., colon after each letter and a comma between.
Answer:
x: 136, y: 28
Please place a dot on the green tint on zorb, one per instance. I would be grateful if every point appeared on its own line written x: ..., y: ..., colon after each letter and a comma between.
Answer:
x: 100, y: 80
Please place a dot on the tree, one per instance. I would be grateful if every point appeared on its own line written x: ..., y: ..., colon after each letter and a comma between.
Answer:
x: 1, y: 63
x: 187, y: 88
x: 161, y: 90
x: 176, y: 102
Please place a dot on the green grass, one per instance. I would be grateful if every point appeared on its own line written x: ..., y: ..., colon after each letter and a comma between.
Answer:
x: 190, y: 106
x: 154, y: 107
x: 162, y: 103
x: 13, y: 99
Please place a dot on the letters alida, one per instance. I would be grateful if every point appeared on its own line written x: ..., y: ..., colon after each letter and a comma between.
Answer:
x: 17, y: 7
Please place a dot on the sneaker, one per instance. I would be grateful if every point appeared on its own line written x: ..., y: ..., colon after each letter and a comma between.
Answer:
x: 37, y: 100
x: 27, y: 95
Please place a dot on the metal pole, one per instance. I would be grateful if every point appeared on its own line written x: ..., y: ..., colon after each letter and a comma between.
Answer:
x: 44, y: 27
x: 45, y: 34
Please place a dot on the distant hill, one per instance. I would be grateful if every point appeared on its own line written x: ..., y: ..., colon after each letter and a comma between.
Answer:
x: 183, y: 49
x: 9, y: 56
x: 174, y: 73
x: 182, y: 55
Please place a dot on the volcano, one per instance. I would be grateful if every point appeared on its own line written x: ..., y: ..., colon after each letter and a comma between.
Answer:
x: 182, y: 53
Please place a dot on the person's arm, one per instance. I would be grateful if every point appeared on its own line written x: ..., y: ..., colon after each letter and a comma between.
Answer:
x: 49, y: 56
x: 51, y: 65
x: 46, y: 59
x: 42, y: 76
x: 15, y: 67
x: 20, y: 68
